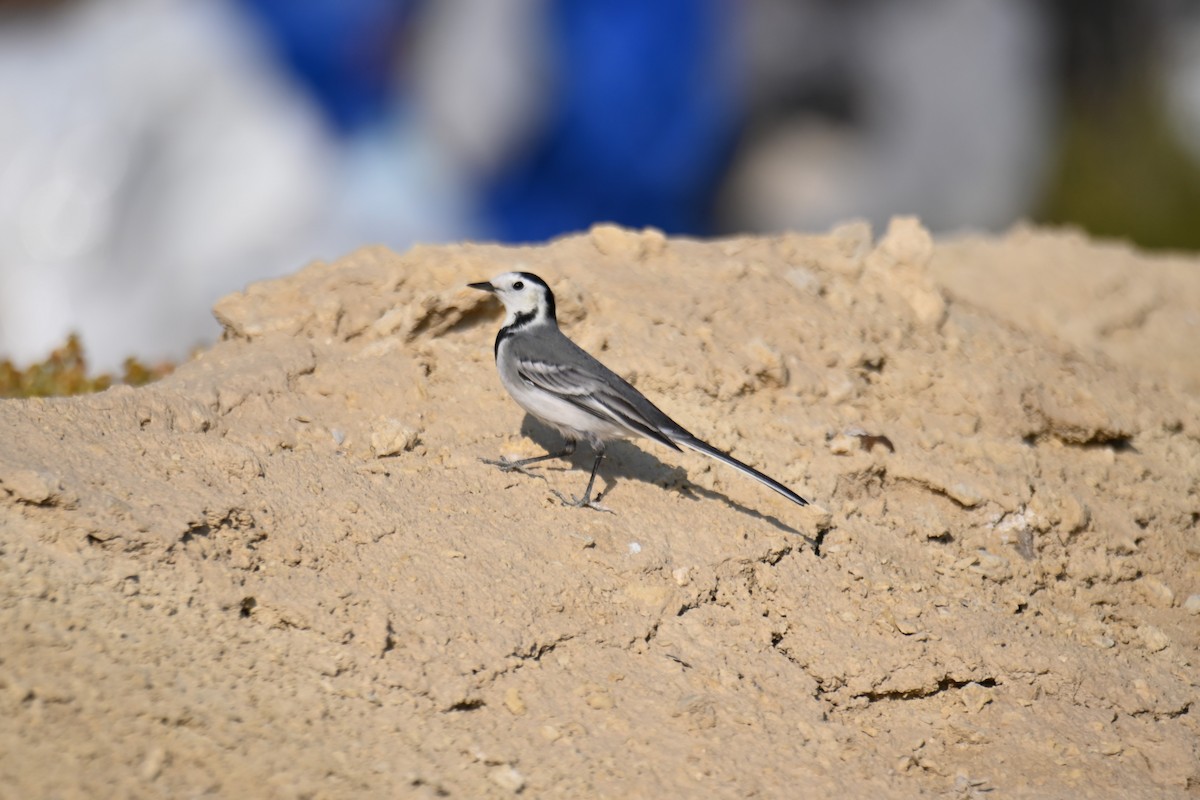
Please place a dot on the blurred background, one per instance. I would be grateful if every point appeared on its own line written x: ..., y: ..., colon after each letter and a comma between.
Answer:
x: 157, y: 154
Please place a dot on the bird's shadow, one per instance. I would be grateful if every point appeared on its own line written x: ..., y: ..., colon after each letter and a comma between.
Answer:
x: 625, y: 460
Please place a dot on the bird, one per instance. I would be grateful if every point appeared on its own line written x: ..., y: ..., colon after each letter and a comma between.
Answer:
x: 561, y: 384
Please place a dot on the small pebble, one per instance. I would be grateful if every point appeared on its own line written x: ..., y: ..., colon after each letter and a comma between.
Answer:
x: 507, y: 777
x: 513, y: 702
x: 1192, y: 604
x: 1154, y: 639
x: 600, y: 701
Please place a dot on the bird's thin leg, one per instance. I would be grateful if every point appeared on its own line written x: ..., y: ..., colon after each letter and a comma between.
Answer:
x: 587, y: 501
x: 519, y: 466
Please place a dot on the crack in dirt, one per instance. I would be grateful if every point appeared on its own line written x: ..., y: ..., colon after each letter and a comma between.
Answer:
x: 919, y: 693
x: 536, y: 651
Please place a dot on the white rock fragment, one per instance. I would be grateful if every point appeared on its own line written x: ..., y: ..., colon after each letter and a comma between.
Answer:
x: 30, y: 486
x: 1153, y: 638
x: 803, y: 279
x: 1157, y: 593
x: 507, y: 777
x: 992, y: 566
x: 391, y: 437
x: 964, y: 494
x: 975, y: 696
x: 1192, y: 604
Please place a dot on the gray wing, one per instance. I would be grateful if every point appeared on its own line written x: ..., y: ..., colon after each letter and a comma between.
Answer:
x: 557, y: 365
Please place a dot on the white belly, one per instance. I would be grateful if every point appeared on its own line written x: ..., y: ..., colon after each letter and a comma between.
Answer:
x: 570, y: 420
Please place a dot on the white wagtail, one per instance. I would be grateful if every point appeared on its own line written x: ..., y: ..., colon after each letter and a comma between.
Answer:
x: 556, y: 381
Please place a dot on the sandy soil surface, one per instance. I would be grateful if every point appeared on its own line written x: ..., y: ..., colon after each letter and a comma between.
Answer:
x: 284, y: 571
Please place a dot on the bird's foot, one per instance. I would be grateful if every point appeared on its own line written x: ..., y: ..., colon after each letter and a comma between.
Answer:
x: 511, y: 466
x: 581, y: 502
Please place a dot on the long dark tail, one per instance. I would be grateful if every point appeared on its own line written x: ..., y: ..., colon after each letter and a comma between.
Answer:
x: 708, y: 450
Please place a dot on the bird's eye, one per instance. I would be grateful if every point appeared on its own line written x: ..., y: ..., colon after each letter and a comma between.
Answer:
x: 519, y: 285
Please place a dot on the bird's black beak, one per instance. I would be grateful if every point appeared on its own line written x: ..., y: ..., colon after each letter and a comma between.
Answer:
x: 483, y: 286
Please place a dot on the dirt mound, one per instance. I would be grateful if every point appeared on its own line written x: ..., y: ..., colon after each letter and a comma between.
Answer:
x: 284, y: 572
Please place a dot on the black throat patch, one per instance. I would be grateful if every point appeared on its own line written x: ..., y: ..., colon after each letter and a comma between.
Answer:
x: 521, y: 320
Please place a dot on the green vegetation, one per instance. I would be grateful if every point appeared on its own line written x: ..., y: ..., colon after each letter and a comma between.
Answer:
x: 1121, y: 173
x: 65, y: 373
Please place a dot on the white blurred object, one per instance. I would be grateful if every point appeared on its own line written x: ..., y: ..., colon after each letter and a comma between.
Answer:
x: 1182, y: 78
x: 149, y: 163
x: 953, y: 115
x: 482, y: 77
x: 153, y: 159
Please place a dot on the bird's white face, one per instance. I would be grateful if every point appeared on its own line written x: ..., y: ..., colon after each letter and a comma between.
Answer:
x: 524, y: 295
